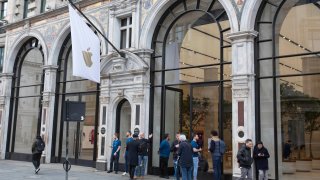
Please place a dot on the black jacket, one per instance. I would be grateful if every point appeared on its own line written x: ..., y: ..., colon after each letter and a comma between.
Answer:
x: 174, y: 149
x: 34, y: 148
x: 244, y: 157
x: 262, y: 160
x: 133, y: 150
x: 144, y: 147
x: 185, y: 154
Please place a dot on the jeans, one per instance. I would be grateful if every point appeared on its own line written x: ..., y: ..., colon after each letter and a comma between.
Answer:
x: 176, y: 170
x: 216, y: 160
x: 164, y: 166
x: 131, y: 171
x: 245, y: 172
x: 186, y: 172
x: 195, y: 167
x: 263, y: 175
x: 142, y: 167
x: 114, y: 160
x: 36, y: 160
x: 126, y: 162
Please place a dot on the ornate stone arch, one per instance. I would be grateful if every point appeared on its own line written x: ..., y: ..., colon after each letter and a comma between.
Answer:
x: 249, y: 15
x: 14, y: 49
x: 160, y: 7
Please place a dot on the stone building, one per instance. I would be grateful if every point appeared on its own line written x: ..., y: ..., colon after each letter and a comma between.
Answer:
x: 247, y: 68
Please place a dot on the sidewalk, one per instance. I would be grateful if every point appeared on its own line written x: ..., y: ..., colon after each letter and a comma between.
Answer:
x: 18, y: 170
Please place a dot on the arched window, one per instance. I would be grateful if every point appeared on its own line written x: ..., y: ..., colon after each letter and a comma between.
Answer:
x: 191, y: 73
x: 288, y: 78
x: 27, y: 87
x: 82, y: 147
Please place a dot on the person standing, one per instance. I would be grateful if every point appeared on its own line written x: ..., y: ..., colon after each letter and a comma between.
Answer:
x: 287, y: 150
x: 144, y: 145
x: 261, y: 155
x: 174, y: 149
x: 164, y: 152
x: 133, y: 149
x: 37, y: 148
x: 245, y: 160
x: 114, y: 160
x: 129, y: 139
x: 185, y: 159
x: 196, y: 149
x: 217, y: 149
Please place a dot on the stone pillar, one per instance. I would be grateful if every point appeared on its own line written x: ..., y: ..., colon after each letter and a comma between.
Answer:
x: 48, y: 104
x: 104, y: 131
x: 243, y: 101
x: 5, y: 93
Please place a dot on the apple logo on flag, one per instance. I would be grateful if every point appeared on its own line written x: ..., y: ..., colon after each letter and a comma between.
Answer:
x: 87, y: 57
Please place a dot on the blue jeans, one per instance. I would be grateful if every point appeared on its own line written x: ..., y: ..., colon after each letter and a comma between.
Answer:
x: 126, y: 161
x: 176, y: 169
x: 216, y: 167
x: 195, y: 167
x: 186, y: 172
x: 142, y: 166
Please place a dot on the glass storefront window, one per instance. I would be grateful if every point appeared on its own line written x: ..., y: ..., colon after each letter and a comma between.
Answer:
x: 192, y: 70
x: 289, y: 73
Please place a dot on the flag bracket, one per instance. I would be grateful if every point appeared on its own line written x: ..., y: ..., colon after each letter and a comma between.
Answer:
x: 88, y: 20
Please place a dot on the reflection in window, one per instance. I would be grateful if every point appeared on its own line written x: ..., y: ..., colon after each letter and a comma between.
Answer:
x: 3, y: 13
x: 1, y: 58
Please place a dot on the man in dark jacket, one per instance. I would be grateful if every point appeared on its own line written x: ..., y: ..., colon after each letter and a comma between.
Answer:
x: 245, y: 160
x: 143, y: 155
x: 185, y: 153
x: 261, y: 155
x: 174, y: 149
x: 133, y: 150
x: 37, y: 148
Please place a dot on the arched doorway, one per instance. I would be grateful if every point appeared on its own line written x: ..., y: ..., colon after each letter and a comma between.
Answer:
x: 191, y: 76
x: 123, y: 124
x: 82, y: 135
x: 26, y: 97
x: 288, y: 72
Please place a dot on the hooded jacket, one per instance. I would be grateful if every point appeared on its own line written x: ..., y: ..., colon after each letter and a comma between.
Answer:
x: 262, y: 160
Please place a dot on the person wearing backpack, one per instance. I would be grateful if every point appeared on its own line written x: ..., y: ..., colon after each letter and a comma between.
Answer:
x: 144, y: 146
x: 37, y: 148
x: 217, y: 149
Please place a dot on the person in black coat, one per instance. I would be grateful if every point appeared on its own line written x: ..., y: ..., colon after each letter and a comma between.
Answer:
x: 37, y: 148
x: 261, y: 155
x: 133, y: 150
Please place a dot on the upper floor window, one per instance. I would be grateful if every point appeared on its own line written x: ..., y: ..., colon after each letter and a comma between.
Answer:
x: 25, y: 8
x: 43, y: 6
x: 3, y: 9
x: 1, y: 58
x: 125, y: 33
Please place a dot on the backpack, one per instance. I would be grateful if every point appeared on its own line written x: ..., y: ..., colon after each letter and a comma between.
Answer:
x: 40, y: 146
x: 212, y: 146
x: 222, y: 146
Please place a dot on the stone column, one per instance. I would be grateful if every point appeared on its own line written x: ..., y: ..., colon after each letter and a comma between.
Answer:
x: 5, y: 95
x: 104, y: 132
x: 48, y: 104
x: 243, y: 101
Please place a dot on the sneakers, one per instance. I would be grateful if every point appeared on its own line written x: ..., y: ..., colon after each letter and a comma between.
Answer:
x: 125, y: 173
x: 37, y: 170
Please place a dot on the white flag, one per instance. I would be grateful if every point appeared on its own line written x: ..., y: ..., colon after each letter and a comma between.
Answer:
x: 85, y: 48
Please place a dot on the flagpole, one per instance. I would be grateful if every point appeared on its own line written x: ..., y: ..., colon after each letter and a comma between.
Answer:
x: 73, y: 5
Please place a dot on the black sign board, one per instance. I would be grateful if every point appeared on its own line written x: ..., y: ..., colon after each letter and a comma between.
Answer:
x: 75, y: 111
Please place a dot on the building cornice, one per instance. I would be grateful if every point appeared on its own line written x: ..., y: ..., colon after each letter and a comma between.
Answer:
x: 50, y: 14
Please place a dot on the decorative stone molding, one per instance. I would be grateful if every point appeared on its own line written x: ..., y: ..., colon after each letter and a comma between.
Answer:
x: 46, y: 98
x: 118, y: 8
x: 240, y: 92
x: 247, y: 35
x: 104, y: 100
x: 138, y: 98
x: 50, y: 67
